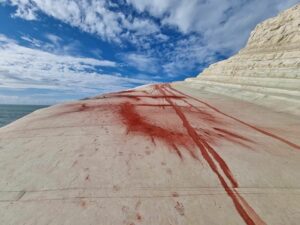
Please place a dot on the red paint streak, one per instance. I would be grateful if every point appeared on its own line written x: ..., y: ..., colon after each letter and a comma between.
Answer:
x: 137, y: 123
x: 231, y: 134
x: 240, y: 121
x: 253, y: 214
x: 205, y: 149
x: 80, y: 107
x: 202, y: 143
x: 208, y: 117
x: 130, y: 91
x: 154, y: 105
x: 145, y: 96
x: 211, y: 136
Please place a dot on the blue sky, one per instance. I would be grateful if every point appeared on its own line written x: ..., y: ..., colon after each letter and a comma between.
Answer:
x: 59, y: 50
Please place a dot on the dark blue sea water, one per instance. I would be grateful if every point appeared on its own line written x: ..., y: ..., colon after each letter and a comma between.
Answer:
x: 10, y: 113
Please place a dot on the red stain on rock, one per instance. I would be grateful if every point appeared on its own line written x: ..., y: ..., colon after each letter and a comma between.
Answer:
x: 175, y: 194
x: 83, y: 204
x: 213, y: 158
x: 138, y: 217
x: 195, y: 141
x: 137, y: 123
x: 137, y: 97
x: 262, y: 131
x: 231, y: 134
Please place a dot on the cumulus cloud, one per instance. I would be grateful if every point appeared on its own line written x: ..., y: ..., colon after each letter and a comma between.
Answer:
x: 141, y: 62
x: 94, y: 16
x: 26, y: 68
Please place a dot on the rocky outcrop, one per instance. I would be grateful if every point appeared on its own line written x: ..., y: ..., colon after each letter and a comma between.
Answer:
x: 266, y: 71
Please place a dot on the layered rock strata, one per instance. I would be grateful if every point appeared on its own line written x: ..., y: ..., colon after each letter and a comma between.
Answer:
x: 266, y: 71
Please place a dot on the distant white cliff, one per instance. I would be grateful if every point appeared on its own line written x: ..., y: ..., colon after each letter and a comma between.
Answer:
x: 266, y: 71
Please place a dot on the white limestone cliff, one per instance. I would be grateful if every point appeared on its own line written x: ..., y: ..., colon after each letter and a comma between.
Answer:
x: 266, y: 71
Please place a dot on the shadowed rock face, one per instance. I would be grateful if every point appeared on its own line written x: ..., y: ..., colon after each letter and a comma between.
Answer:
x: 266, y: 71
x: 161, y: 154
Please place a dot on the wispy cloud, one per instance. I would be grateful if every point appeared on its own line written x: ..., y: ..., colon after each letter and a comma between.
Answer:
x: 141, y: 62
x: 96, y: 16
x: 26, y: 68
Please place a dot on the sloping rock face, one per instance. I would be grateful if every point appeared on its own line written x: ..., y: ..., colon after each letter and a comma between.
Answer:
x: 151, y: 156
x: 266, y: 71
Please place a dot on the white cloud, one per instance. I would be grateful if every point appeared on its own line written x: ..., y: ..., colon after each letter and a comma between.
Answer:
x: 53, y: 38
x: 22, y: 68
x: 92, y: 16
x: 25, y: 11
x: 141, y: 62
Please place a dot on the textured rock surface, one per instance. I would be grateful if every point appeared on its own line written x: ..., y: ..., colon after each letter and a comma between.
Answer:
x: 266, y: 71
x: 151, y: 156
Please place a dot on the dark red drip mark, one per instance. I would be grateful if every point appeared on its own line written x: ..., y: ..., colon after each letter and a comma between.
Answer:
x: 130, y: 91
x: 236, y: 141
x: 231, y: 134
x: 240, y: 121
x: 144, y: 96
x: 211, y: 136
x: 153, y: 105
x: 256, y: 218
x: 204, y: 115
x: 203, y: 145
x: 137, y: 123
x: 135, y: 97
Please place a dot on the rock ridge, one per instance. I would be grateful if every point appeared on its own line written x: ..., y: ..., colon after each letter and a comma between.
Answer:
x: 266, y: 71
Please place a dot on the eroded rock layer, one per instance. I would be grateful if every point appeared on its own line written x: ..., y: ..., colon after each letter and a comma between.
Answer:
x: 266, y: 71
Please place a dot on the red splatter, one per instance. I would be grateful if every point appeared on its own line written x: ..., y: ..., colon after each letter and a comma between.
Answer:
x: 245, y: 211
x: 240, y: 121
x: 138, y: 124
x: 233, y: 135
x: 146, y: 96
x: 202, y: 143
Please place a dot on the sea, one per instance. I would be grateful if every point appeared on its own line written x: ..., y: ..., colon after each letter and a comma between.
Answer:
x: 10, y: 113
